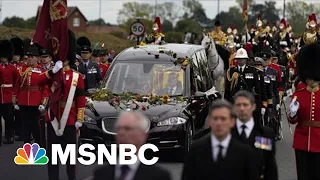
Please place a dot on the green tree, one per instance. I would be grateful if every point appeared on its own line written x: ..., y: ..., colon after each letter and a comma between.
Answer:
x: 188, y: 25
x: 268, y: 12
x: 31, y: 23
x: 135, y: 10
x: 298, y: 12
x: 169, y: 11
x: 232, y: 17
x: 167, y: 26
x: 14, y: 21
x: 98, y: 22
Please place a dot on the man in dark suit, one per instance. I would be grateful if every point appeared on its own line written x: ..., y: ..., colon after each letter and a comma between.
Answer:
x: 260, y: 138
x: 131, y: 128
x: 219, y: 155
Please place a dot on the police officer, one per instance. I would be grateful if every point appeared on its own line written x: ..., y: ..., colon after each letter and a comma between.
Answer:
x: 89, y: 69
x: 8, y: 78
x: 259, y: 138
x: 244, y: 77
x: 46, y: 59
x: 304, y: 111
x: 272, y: 74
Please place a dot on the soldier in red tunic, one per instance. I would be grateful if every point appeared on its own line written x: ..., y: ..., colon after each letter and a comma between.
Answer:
x: 305, y: 112
x: 18, y: 56
x: 8, y: 78
x: 32, y: 96
x: 64, y: 128
x: 104, y: 64
x: 46, y: 59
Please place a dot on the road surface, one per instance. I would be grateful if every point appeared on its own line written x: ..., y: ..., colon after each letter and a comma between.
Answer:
x: 10, y: 171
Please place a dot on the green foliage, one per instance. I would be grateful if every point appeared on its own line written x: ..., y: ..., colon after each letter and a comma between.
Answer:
x: 167, y: 26
x: 18, y: 22
x: 188, y: 25
x: 234, y: 16
x: 174, y: 37
x: 135, y: 10
x: 297, y: 13
x: 118, y: 34
x: 98, y: 22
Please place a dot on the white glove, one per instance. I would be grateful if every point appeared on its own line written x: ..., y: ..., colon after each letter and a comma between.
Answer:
x: 57, y: 67
x: 294, y: 106
x: 41, y: 108
x: 16, y: 107
x: 278, y: 107
x: 263, y: 111
x: 78, y: 125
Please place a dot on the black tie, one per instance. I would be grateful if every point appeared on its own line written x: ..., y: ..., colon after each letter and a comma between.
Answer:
x: 85, y: 66
x: 220, y: 157
x: 243, y: 133
x: 124, y: 172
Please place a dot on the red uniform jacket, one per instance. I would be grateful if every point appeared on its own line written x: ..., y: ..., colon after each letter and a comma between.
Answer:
x: 279, y: 79
x: 8, y: 79
x: 292, y: 66
x: 31, y: 89
x: 79, y: 101
x: 18, y: 65
x: 300, y: 86
x: 307, y: 135
x: 104, y: 68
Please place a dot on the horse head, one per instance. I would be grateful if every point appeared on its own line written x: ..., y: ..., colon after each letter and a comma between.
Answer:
x: 208, y: 43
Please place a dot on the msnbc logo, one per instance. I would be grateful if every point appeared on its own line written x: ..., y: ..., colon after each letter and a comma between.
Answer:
x: 31, y: 155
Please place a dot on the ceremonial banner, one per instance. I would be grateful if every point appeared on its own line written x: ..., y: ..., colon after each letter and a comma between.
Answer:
x: 52, y: 33
x: 245, y: 11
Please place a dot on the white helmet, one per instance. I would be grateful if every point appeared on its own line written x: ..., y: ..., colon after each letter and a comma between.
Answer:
x: 241, y: 54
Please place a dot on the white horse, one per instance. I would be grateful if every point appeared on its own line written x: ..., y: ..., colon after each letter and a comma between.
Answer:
x: 216, y: 63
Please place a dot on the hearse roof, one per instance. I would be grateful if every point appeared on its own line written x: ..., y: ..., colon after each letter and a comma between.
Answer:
x: 145, y: 52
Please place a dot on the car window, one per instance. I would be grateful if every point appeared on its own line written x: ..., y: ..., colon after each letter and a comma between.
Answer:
x: 146, y: 78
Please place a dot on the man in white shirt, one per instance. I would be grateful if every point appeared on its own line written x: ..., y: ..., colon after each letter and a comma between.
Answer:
x: 219, y: 155
x: 261, y: 139
x: 131, y: 128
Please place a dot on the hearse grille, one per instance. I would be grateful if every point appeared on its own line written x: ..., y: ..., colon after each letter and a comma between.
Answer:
x: 108, y: 125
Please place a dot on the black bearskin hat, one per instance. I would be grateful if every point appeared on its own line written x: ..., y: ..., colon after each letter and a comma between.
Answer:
x: 217, y: 23
x: 18, y: 46
x: 72, y: 50
x: 308, y: 62
x: 26, y: 44
x: 32, y: 50
x: 6, y: 49
x: 83, y: 41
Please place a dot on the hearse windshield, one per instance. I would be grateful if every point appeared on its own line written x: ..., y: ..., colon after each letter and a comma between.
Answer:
x: 146, y: 78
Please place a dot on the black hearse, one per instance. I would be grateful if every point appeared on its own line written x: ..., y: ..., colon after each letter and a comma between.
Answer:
x: 146, y: 70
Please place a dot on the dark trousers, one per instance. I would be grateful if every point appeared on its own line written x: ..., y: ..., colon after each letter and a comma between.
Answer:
x: 18, y: 123
x: 6, y: 111
x: 31, y: 124
x: 308, y: 165
x: 68, y: 137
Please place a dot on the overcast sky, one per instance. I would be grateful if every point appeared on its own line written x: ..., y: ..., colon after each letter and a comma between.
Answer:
x: 110, y: 8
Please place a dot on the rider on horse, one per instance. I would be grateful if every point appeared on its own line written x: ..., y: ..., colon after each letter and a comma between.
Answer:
x: 156, y: 37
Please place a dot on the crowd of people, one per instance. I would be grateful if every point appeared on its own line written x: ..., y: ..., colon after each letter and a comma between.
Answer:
x: 244, y: 125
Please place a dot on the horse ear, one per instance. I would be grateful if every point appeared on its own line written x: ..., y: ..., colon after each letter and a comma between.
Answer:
x: 203, y: 34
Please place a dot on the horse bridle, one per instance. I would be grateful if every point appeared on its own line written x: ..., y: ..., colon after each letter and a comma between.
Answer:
x: 207, y: 52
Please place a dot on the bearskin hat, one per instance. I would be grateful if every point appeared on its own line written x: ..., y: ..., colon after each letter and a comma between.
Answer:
x: 6, y: 49
x: 26, y: 44
x: 308, y: 62
x: 72, y: 50
x: 83, y: 41
x: 18, y: 46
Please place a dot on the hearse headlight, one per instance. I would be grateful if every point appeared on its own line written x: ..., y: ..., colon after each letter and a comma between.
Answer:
x: 89, y: 120
x: 172, y: 121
